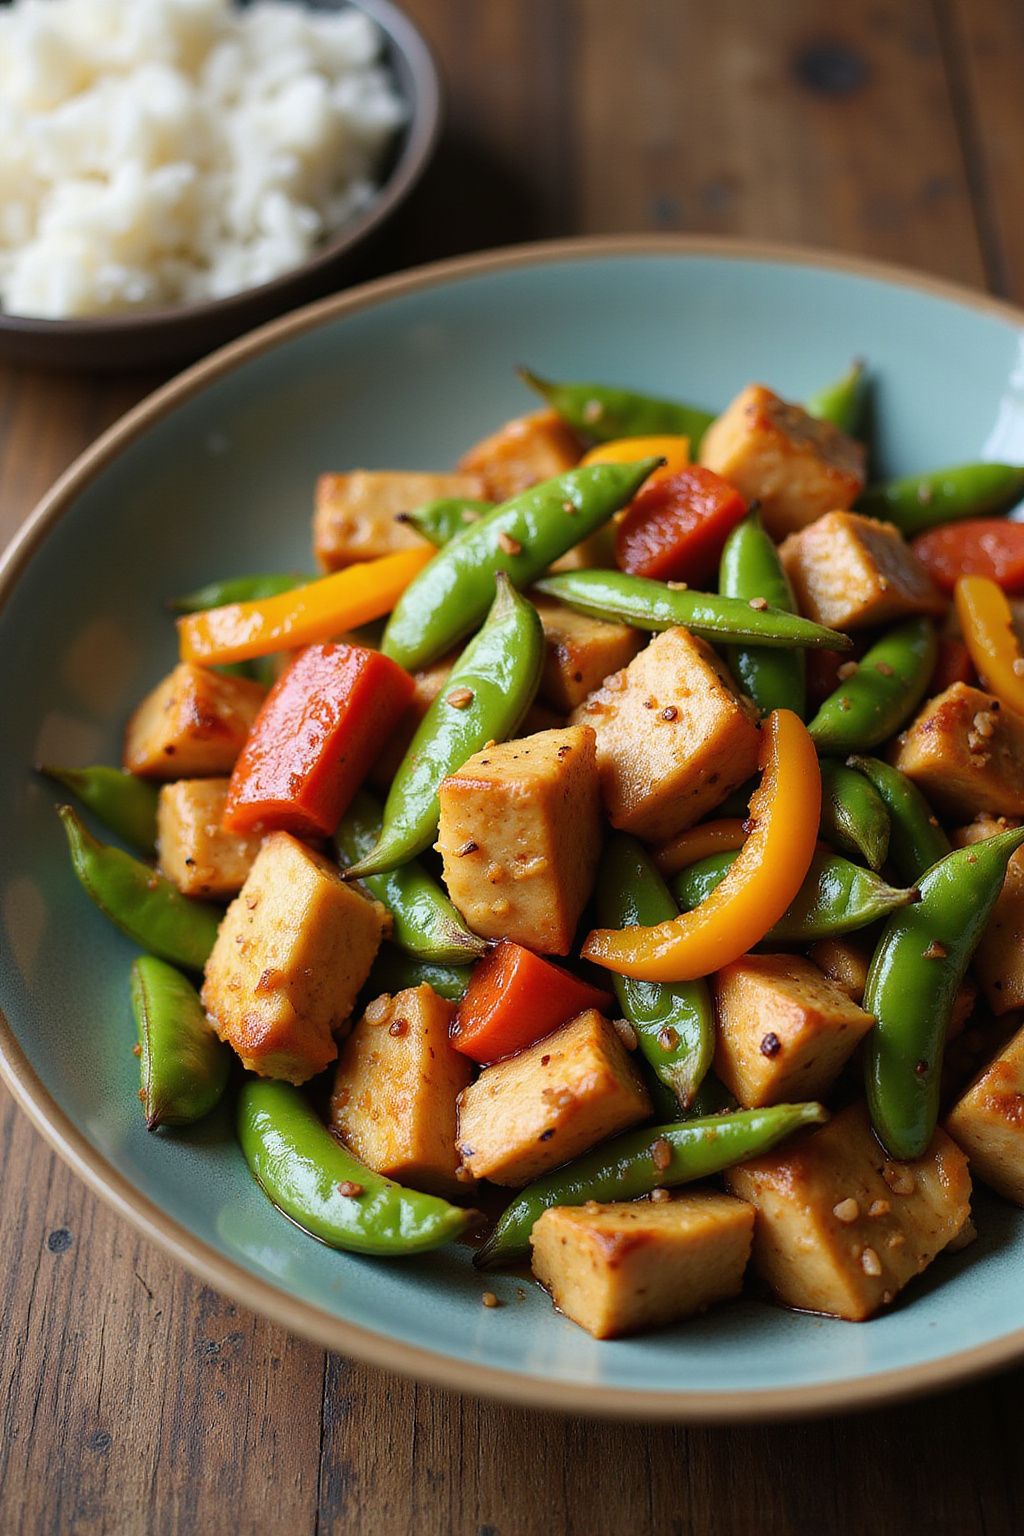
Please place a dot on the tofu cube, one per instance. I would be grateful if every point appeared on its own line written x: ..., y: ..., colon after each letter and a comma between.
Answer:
x: 966, y: 754
x: 673, y: 736
x: 520, y: 836
x: 295, y: 946
x: 193, y: 849
x: 530, y: 1112
x: 851, y: 572
x: 580, y: 652
x: 845, y: 963
x: 522, y: 453
x: 193, y: 725
x: 840, y: 1228
x: 619, y: 1268
x: 988, y: 1122
x: 999, y: 958
x: 395, y: 1090
x: 785, y: 1031
x: 356, y: 516
x: 776, y: 453
x: 427, y: 684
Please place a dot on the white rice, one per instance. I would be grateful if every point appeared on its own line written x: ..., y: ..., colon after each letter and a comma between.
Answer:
x: 160, y: 152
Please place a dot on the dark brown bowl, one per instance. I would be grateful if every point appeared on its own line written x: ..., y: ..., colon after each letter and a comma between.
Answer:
x: 157, y: 337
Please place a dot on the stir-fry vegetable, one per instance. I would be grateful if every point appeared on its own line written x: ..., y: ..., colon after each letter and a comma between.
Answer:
x: 183, y: 1066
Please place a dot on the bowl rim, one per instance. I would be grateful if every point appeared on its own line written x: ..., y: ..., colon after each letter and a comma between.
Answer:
x: 231, y: 1278
x: 422, y: 131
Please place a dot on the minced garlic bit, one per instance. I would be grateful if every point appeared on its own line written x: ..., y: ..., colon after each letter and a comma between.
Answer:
x: 350, y: 1190
x: 984, y: 722
x: 870, y: 1263
x: 626, y: 1033
x: 659, y: 1196
x: 846, y: 1210
x: 879, y: 1208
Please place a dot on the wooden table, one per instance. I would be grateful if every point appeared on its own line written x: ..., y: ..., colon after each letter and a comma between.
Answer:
x: 134, y: 1399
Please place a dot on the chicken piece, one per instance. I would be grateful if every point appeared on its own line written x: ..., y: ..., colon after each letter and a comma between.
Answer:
x: 193, y: 848
x: 528, y: 1113
x: 580, y: 652
x: 293, y: 950
x: 796, y: 466
x: 966, y: 753
x: 520, y: 836
x: 999, y: 958
x: 674, y: 737
x: 840, y: 1228
x: 851, y: 572
x: 522, y: 453
x: 357, y: 516
x: 988, y: 1121
x: 619, y: 1268
x: 193, y: 725
x: 395, y: 1090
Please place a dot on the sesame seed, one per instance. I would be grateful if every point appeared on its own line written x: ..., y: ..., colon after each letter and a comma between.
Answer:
x: 883, y: 668
x: 846, y: 1210
x: 936, y: 951
x: 678, y: 586
x: 668, y: 1038
x: 569, y: 508
x: 398, y: 1027
x: 759, y: 604
x: 349, y: 1190
x: 844, y: 704
x: 661, y: 1154
x: 490, y: 1300
x: 879, y: 1208
x: 659, y: 1196
x: 1018, y: 666
x: 670, y: 712
x: 593, y: 410
x: 460, y: 698
x: 510, y: 545
x: 870, y: 1262
x: 847, y: 669
x: 469, y: 515
x: 467, y: 848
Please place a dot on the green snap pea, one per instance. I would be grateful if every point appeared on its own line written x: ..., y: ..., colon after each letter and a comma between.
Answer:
x: 675, y: 1025
x: 917, y: 502
x: 495, y: 680
x: 853, y: 814
x: 125, y: 804
x: 916, y: 840
x: 312, y: 1178
x: 655, y: 605
x: 751, y: 569
x: 145, y: 906
x: 836, y: 896
x: 602, y: 413
x: 521, y: 538
x: 886, y: 688
x: 184, y: 1067
x: 842, y: 402
x: 625, y: 1169
x: 440, y: 521
x: 393, y: 971
x: 237, y: 589
x: 424, y: 922
x: 916, y: 970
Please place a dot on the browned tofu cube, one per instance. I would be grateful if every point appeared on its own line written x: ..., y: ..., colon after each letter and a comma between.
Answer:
x: 619, y: 1268
x: 776, y: 453
x: 845, y: 963
x: 999, y: 958
x: 395, y: 1090
x: 850, y: 572
x: 520, y: 836
x: 293, y: 950
x: 580, y: 652
x: 988, y: 1122
x: 673, y: 736
x: 530, y: 1112
x: 522, y: 453
x: 785, y: 1031
x: 193, y: 848
x: 428, y: 683
x: 356, y: 516
x: 966, y: 754
x: 193, y: 725
x: 840, y: 1228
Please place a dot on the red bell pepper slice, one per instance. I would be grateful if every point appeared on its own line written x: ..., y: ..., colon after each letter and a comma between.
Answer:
x: 985, y: 546
x: 674, y: 529
x: 317, y: 733
x: 515, y: 998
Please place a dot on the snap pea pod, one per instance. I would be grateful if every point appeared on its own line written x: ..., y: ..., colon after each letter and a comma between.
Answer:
x: 916, y: 970
x: 237, y: 589
x: 836, y: 896
x: 655, y: 605
x: 625, y: 1169
x: 145, y: 906
x: 853, y: 814
x: 521, y: 538
x: 424, y: 922
x: 842, y: 402
x: 916, y: 840
x: 602, y: 413
x: 675, y: 1025
x: 751, y: 569
x: 312, y: 1178
x: 124, y: 803
x: 394, y: 971
x: 494, y: 681
x: 184, y: 1067
x: 886, y: 688
x: 441, y: 520
x: 917, y: 502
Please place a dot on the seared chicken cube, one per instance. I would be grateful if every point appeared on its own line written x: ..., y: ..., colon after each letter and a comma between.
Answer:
x: 193, y: 724
x: 850, y: 572
x: 193, y: 848
x: 522, y: 453
x: 580, y: 652
x: 966, y: 753
x: 988, y: 1121
x: 357, y: 516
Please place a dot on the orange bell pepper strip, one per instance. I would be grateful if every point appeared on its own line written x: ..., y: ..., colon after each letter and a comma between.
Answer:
x: 321, y: 610
x: 762, y: 882
x: 699, y: 843
x: 987, y: 623
x: 627, y: 450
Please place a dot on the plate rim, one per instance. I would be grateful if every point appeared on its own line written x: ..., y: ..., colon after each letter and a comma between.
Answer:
x: 231, y: 1278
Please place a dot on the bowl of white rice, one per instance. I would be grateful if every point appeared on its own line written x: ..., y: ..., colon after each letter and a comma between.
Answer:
x: 173, y: 172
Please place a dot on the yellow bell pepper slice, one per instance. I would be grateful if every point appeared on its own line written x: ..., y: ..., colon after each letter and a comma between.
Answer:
x: 320, y: 610
x: 696, y: 843
x: 627, y: 450
x: 784, y: 810
x: 987, y: 623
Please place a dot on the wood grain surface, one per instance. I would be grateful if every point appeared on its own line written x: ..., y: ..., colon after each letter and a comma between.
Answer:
x: 134, y: 1399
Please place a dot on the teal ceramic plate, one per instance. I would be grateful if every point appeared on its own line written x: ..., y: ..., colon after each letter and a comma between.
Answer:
x: 215, y: 474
